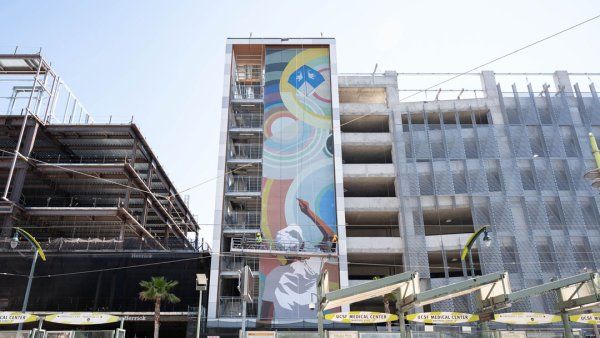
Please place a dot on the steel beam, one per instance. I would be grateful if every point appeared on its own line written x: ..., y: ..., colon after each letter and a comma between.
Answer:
x: 452, y: 290
x: 157, y: 206
x: 550, y: 286
x: 367, y: 290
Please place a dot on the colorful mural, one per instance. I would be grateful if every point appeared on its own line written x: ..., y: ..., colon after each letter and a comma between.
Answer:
x: 298, y: 197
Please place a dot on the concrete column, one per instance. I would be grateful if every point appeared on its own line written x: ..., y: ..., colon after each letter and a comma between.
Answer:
x: 342, y: 246
x: 213, y: 289
x: 488, y: 83
x: 563, y: 82
x: 391, y: 91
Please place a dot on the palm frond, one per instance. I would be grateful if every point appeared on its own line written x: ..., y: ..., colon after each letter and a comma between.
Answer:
x: 158, y: 288
x: 171, y: 298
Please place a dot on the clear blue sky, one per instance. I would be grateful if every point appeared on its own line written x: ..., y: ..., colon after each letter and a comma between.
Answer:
x: 162, y: 61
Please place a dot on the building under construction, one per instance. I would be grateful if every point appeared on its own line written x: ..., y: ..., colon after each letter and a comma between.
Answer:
x: 356, y: 175
x: 95, y: 197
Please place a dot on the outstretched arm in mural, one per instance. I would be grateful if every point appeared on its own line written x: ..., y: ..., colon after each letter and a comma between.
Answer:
x: 323, y: 227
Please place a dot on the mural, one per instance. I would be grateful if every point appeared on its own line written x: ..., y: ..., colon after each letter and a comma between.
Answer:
x: 298, y: 197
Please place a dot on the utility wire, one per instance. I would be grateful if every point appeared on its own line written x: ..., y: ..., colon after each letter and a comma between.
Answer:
x: 346, y: 123
x: 77, y: 172
x: 451, y: 78
x: 350, y: 226
x: 474, y: 68
x: 520, y: 263
x: 489, y: 62
x: 118, y: 183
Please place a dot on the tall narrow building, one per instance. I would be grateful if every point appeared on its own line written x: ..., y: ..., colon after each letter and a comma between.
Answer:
x: 280, y: 194
x: 345, y: 173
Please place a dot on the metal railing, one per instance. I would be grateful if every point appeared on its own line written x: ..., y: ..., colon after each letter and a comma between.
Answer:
x: 250, y: 151
x: 246, y: 92
x: 71, y: 202
x: 242, y: 220
x: 15, y: 334
x: 251, y: 244
x: 62, y: 244
x: 246, y: 120
x: 62, y: 158
x: 243, y: 183
x: 456, y: 331
x: 80, y: 334
x: 40, y: 92
x: 248, y: 73
x: 232, y: 307
x: 237, y: 263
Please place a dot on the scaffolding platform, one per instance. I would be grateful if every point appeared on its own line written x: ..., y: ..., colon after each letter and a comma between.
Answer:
x: 245, y: 245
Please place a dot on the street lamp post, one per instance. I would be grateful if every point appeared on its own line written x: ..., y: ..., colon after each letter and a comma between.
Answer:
x: 594, y: 176
x: 487, y: 240
x: 201, y: 285
x: 322, y: 289
x: 38, y: 252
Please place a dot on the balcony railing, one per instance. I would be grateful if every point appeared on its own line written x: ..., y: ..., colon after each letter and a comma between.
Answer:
x: 246, y: 92
x: 248, y: 73
x: 245, y: 151
x: 243, y: 183
x: 232, y: 307
x: 242, y: 220
x: 245, y: 120
x: 237, y: 263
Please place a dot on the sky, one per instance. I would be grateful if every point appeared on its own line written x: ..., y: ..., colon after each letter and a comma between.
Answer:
x: 163, y: 61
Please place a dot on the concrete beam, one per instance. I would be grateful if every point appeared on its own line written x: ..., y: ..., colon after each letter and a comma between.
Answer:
x: 375, y: 245
x: 446, y: 242
x: 482, y: 104
x: 360, y: 109
x: 374, y: 170
x: 367, y: 80
x: 372, y: 204
x: 366, y: 139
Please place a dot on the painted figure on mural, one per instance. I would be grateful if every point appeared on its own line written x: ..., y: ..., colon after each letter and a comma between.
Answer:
x: 286, y: 287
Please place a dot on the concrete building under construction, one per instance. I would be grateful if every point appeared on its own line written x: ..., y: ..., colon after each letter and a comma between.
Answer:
x: 355, y: 174
x: 95, y: 197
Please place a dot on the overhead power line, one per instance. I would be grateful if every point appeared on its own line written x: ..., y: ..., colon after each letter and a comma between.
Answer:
x: 529, y: 45
x: 229, y: 254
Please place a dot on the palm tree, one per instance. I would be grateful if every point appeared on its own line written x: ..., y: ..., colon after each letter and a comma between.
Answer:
x: 157, y: 289
x: 387, y: 299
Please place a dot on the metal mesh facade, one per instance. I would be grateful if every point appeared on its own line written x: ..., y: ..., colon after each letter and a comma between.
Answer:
x: 520, y: 171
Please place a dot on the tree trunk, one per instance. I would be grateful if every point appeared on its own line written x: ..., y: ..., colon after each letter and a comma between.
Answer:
x: 156, y: 317
x: 386, y: 306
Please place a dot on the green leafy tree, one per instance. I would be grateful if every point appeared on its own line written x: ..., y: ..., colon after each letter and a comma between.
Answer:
x: 387, y: 299
x: 158, y: 289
